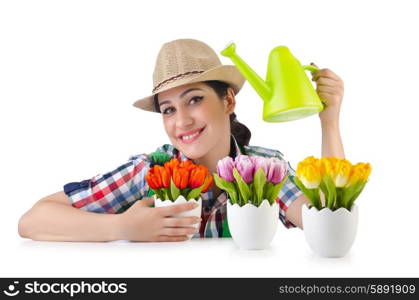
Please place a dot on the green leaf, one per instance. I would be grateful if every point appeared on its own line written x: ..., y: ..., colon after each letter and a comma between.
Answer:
x: 259, y: 181
x: 351, y: 193
x: 223, y: 184
x: 243, y: 187
x: 355, y: 196
x: 323, y: 188
x: 233, y: 197
x: 267, y: 190
x: 196, y: 191
x: 329, y: 191
x: 311, y: 194
x: 316, y: 198
x: 252, y: 198
x: 174, y: 191
x: 240, y: 200
x: 157, y: 193
x: 150, y: 193
x: 185, y: 192
x: 164, y: 193
x: 227, y: 186
x: 276, y: 189
x: 339, y: 197
x: 168, y: 195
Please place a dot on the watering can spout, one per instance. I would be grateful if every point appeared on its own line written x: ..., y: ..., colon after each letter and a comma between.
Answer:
x: 260, y: 86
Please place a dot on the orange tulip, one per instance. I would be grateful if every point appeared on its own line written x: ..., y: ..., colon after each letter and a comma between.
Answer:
x: 187, y: 164
x: 185, y: 174
x: 180, y: 177
x: 197, y: 176
x: 153, y: 181
x: 170, y: 165
x: 163, y: 175
x: 209, y: 183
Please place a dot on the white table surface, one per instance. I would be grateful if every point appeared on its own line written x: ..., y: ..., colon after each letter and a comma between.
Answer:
x: 374, y: 253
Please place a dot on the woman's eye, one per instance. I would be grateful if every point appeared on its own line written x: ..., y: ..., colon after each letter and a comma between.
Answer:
x: 196, y: 99
x: 166, y: 110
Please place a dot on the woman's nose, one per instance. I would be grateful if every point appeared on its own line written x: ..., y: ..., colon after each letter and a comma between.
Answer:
x: 183, y: 119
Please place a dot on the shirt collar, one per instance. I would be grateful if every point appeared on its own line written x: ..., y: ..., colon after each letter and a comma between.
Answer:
x: 234, y: 150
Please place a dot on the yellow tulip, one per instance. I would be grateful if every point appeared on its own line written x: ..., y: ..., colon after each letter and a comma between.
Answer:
x: 328, y: 165
x: 342, y: 172
x: 359, y: 172
x: 308, y: 171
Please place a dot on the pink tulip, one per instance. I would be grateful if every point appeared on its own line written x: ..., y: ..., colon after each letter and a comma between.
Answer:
x: 277, y: 170
x: 261, y: 162
x: 225, y: 168
x: 245, y: 166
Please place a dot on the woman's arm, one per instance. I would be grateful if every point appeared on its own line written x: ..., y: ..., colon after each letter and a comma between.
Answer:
x: 331, y: 146
x: 54, y: 219
x: 330, y: 90
x: 293, y: 213
x: 331, y: 141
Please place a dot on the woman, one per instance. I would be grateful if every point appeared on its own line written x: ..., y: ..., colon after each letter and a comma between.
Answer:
x: 195, y: 94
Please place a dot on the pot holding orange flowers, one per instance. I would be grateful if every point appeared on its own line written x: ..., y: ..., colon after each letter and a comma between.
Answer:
x: 330, y: 225
x: 176, y: 182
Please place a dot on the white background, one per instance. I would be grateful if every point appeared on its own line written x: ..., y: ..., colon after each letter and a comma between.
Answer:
x: 70, y: 71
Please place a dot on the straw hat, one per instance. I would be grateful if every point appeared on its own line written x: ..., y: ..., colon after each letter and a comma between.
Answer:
x: 186, y: 61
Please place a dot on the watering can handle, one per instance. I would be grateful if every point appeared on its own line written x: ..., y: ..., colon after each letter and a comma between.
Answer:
x: 310, y: 68
x: 313, y: 69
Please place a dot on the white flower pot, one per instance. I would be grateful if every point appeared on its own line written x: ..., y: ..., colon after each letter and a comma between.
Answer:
x: 196, y: 212
x: 330, y: 233
x: 251, y: 227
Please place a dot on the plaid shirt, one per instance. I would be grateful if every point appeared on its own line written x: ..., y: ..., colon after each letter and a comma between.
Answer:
x: 116, y: 191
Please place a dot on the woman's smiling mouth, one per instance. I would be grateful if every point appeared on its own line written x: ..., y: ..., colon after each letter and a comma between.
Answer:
x: 191, y: 136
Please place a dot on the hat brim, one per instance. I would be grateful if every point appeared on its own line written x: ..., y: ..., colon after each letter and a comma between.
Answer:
x: 226, y: 73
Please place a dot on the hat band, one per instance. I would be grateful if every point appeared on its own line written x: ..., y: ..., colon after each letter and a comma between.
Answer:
x: 176, y: 77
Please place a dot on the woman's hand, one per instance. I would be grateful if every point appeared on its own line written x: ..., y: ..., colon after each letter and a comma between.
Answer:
x: 155, y: 224
x: 330, y: 90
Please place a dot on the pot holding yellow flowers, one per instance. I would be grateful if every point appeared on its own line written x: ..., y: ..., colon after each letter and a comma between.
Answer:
x: 332, y: 185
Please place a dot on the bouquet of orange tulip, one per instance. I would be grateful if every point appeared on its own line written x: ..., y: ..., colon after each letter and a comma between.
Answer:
x: 339, y: 180
x: 176, y: 178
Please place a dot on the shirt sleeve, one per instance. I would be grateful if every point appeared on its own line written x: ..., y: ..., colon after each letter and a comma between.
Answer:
x: 114, y: 191
x: 288, y: 193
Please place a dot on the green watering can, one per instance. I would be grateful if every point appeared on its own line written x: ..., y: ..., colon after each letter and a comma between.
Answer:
x: 287, y: 92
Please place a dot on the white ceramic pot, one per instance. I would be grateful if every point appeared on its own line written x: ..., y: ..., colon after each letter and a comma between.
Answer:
x: 251, y: 227
x: 196, y: 212
x: 330, y: 233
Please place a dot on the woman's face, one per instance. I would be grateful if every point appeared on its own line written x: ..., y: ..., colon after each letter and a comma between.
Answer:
x: 195, y: 119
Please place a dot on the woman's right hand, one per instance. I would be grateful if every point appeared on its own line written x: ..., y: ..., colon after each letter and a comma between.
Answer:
x: 155, y: 224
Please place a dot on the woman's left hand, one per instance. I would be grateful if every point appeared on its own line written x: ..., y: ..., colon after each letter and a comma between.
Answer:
x: 330, y: 90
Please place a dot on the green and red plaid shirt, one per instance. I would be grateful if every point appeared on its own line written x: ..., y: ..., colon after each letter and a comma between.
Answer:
x: 116, y: 191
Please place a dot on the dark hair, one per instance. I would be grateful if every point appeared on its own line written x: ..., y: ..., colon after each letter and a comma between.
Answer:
x: 240, y: 131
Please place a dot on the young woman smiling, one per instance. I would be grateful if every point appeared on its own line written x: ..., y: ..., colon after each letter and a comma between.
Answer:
x: 196, y: 96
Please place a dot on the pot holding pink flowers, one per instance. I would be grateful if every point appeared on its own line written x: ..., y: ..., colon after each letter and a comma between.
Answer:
x: 252, y: 184
x: 253, y: 227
